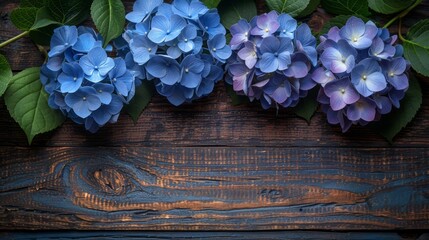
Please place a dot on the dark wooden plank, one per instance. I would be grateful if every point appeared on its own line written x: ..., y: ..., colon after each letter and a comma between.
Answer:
x: 214, y: 188
x: 274, y: 235
x: 215, y: 122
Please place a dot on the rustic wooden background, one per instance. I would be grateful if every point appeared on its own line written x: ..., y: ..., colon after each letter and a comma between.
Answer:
x: 211, y: 166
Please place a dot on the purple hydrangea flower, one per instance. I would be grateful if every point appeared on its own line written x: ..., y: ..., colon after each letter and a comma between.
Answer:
x: 240, y: 33
x: 248, y: 54
x: 168, y: 45
x: 273, y: 60
x: 341, y: 93
x: 266, y: 24
x: 367, y: 77
x: 339, y: 58
x: 362, y: 73
x: 359, y: 34
x: 82, y: 81
x: 395, y: 72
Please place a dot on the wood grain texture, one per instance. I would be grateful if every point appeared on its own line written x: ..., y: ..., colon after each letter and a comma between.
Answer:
x: 275, y: 235
x: 211, y: 166
x: 215, y: 122
x: 214, y: 188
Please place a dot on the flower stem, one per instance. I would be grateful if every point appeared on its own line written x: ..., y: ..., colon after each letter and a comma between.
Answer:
x: 17, y: 37
x: 402, y: 14
x: 400, y: 31
x: 43, y: 51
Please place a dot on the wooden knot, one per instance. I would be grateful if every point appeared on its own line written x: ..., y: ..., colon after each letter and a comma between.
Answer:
x: 110, y: 181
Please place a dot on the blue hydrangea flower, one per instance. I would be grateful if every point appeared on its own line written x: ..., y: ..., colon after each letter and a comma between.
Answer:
x: 210, y: 23
x: 192, y: 69
x: 71, y: 78
x: 142, y: 9
x: 164, y: 29
x: 275, y: 54
x: 180, y: 47
x: 190, y: 9
x: 142, y: 49
x: 287, y: 26
x: 82, y: 81
x: 189, y: 40
x: 165, y: 69
x: 83, y: 101
x: 272, y: 60
x: 63, y: 39
x: 96, y: 65
x: 362, y: 73
x: 218, y: 48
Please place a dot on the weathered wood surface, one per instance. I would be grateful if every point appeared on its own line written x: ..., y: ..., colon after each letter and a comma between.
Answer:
x: 214, y: 188
x: 275, y: 235
x: 211, y: 166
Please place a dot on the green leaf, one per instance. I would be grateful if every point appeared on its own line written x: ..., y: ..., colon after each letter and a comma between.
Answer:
x: 233, y: 10
x: 142, y: 98
x: 416, y: 47
x: 109, y: 17
x: 70, y: 12
x: 347, y: 7
x: 42, y: 36
x: 27, y: 103
x: 292, y: 7
x: 338, y: 21
x: 32, y: 3
x: 211, y: 3
x: 307, y: 106
x: 43, y: 19
x: 311, y: 7
x: 5, y: 74
x: 389, y: 6
x: 236, y: 99
x: 23, y: 18
x: 393, y: 123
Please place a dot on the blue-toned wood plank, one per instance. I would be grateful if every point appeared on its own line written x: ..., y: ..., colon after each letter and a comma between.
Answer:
x: 214, y: 188
x: 290, y: 235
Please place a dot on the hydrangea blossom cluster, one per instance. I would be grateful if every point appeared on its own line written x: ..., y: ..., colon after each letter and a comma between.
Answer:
x: 272, y: 59
x: 83, y: 81
x: 362, y: 73
x: 180, y: 46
